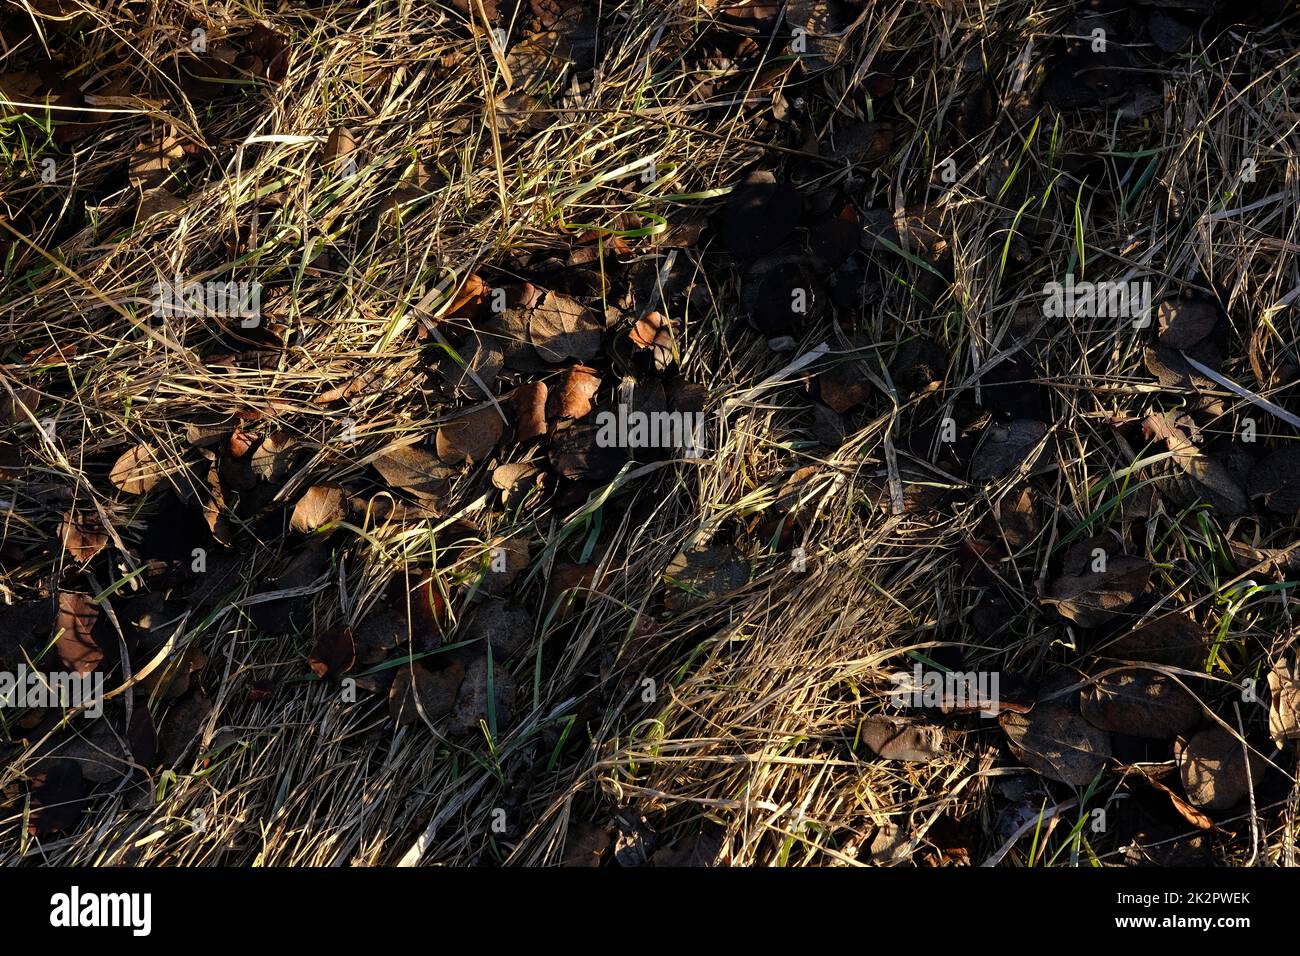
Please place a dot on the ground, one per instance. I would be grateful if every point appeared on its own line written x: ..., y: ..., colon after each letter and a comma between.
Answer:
x: 315, y: 319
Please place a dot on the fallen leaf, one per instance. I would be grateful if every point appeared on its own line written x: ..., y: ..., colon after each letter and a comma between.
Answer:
x: 1055, y: 740
x: 415, y: 468
x: 760, y: 215
x: 584, y: 844
x: 1096, y: 585
x: 470, y: 438
x: 1185, y: 322
x: 1175, y: 641
x: 1168, y: 33
x: 530, y: 408
x: 654, y: 332
x: 319, y: 506
x: 697, y: 576
x: 1141, y: 704
x: 1276, y: 479
x: 151, y: 160
x: 561, y: 328
x: 416, y: 690
x: 1213, y: 481
x: 1007, y: 448
x: 1283, y: 703
x: 844, y: 387
x: 183, y: 725
x: 77, y: 646
x: 1213, y: 769
x: 507, y: 627
x: 139, y: 469
x: 333, y: 653
x: 892, y: 739
x: 82, y: 534
x: 472, y: 708
x: 58, y: 798
x: 572, y: 397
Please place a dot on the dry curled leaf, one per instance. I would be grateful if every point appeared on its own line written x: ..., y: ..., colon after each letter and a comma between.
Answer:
x: 892, y: 739
x: 1006, y: 449
x: 571, y: 398
x: 1098, y: 583
x: 415, y: 469
x: 82, y: 534
x: 419, y: 693
x: 1213, y: 769
x: 1185, y: 322
x: 78, y: 646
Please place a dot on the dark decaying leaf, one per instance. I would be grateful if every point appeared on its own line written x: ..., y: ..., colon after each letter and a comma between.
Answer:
x: 507, y: 627
x: 1054, y: 739
x: 1174, y: 371
x: 1007, y: 448
x: 1276, y: 479
x: 844, y: 386
x: 332, y: 653
x: 1175, y: 640
x: 760, y: 215
x: 472, y: 708
x: 584, y: 844
x: 1140, y: 703
x: 417, y: 690
x: 697, y: 576
x: 58, y: 798
x: 1168, y: 33
x: 1185, y: 322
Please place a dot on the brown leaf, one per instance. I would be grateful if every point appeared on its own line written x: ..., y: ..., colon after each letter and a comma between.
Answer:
x: 340, y: 145
x: 843, y: 386
x: 584, y: 844
x: 1276, y: 479
x: 507, y: 558
x: 1185, y: 322
x: 1096, y: 585
x: 82, y: 534
x: 892, y: 739
x: 572, y: 398
x: 415, y: 468
x: 416, y: 690
x: 1016, y: 517
x: 1175, y: 640
x: 1055, y: 740
x: 653, y: 331
x: 1283, y: 703
x: 560, y: 328
x: 319, y: 506
x: 507, y: 627
x: 1141, y: 704
x: 472, y: 700
x: 333, y: 653
x: 470, y: 438
x: 77, y: 646
x: 1213, y: 478
x: 530, y: 408
x: 139, y: 469
x: 151, y: 160
x: 183, y: 725
x: 697, y: 576
x: 1213, y: 769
